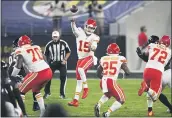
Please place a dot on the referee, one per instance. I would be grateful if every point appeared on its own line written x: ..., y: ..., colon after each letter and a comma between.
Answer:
x: 57, y: 52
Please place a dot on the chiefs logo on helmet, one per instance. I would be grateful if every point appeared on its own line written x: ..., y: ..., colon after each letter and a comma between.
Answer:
x: 24, y: 40
x: 113, y: 48
x: 165, y: 40
x: 90, y: 26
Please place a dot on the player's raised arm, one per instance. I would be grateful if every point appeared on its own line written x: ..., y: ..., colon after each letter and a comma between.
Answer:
x: 143, y: 56
x: 74, y: 28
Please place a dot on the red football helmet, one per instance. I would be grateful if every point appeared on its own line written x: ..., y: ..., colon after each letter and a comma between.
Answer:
x: 165, y: 40
x: 113, y: 48
x: 90, y: 26
x: 24, y: 40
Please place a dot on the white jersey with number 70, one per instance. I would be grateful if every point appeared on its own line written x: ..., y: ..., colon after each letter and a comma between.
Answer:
x: 33, y: 58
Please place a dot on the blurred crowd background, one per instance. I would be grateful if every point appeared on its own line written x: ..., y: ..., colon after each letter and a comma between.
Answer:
x: 118, y: 21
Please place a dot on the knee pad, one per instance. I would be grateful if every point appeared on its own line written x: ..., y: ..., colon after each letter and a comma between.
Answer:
x: 153, y: 97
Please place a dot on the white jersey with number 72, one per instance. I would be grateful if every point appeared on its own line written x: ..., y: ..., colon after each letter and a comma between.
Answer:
x: 159, y: 55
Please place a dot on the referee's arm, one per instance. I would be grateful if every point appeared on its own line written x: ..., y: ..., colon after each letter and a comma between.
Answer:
x: 68, y: 52
x: 46, y: 53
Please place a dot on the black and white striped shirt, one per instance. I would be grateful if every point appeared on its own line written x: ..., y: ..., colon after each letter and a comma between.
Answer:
x: 56, y: 51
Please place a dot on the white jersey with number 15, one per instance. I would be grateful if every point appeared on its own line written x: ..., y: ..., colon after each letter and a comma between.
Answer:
x: 83, y: 41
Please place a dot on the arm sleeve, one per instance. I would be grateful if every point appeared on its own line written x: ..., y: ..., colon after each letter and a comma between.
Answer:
x: 168, y: 65
x: 74, y: 29
x: 46, y: 51
x: 144, y: 57
x: 67, y: 48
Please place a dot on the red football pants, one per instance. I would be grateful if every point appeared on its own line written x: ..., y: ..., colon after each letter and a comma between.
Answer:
x: 114, y: 90
x: 152, y: 77
x: 85, y: 63
x: 35, y: 81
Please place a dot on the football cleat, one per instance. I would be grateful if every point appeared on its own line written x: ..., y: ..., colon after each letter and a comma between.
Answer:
x: 46, y: 95
x: 85, y: 93
x: 169, y: 111
x: 74, y: 103
x: 97, y: 110
x: 150, y: 113
x: 62, y: 96
x: 35, y: 106
x: 143, y: 88
x: 105, y: 114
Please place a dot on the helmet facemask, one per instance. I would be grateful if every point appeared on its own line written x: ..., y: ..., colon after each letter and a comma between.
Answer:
x: 89, y: 29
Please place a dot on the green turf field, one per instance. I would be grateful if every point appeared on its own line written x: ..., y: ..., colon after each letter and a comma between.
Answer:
x: 134, y: 105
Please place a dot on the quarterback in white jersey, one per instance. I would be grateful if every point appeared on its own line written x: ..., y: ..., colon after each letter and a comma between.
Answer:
x: 39, y: 71
x: 108, y: 71
x: 158, y: 56
x: 86, y: 42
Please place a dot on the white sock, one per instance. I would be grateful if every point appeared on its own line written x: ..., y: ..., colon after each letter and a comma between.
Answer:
x: 83, y: 77
x: 102, y: 100
x: 40, y: 101
x: 149, y: 101
x: 116, y: 105
x: 152, y: 94
x: 78, y: 89
x: 85, y: 85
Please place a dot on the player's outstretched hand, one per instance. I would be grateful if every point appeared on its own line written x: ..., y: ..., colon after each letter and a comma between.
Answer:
x: 138, y: 50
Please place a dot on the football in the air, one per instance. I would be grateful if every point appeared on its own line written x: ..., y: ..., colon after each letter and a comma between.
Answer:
x: 74, y: 9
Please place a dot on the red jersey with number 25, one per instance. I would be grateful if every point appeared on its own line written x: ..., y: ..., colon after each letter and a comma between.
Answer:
x: 111, y: 65
x: 159, y: 55
x: 33, y: 58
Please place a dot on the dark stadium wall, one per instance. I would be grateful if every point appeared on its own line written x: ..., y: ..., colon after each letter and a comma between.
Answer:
x: 41, y: 40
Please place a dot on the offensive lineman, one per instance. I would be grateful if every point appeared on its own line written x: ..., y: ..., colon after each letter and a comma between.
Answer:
x: 166, y: 78
x: 21, y: 74
x: 108, y: 71
x: 159, y: 55
x: 39, y: 71
x: 86, y: 42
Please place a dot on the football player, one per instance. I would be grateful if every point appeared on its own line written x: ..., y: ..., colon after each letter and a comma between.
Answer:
x: 21, y: 74
x: 39, y: 71
x: 86, y: 42
x: 158, y: 56
x: 108, y: 71
x: 9, y: 95
x: 166, y: 78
